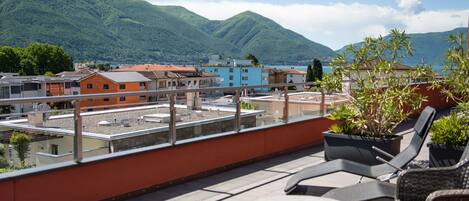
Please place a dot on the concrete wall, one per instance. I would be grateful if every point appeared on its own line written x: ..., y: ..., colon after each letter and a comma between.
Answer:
x: 117, y: 176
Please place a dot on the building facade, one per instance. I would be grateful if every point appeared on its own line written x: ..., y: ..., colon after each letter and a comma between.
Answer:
x: 113, y: 82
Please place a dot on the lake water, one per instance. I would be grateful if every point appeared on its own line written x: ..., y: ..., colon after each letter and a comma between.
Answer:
x: 328, y: 69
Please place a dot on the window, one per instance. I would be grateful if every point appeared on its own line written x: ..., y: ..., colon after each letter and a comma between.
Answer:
x: 189, y: 83
x: 142, y: 84
x: 75, y: 93
x: 231, y: 77
x: 231, y: 84
x: 122, y: 86
x: 30, y: 87
x: 143, y: 98
x: 89, y: 86
x: 54, y: 149
x: 122, y: 98
x: 245, y: 70
x: 231, y: 70
x: 15, y: 89
x: 245, y: 78
x: 195, y: 82
x: 105, y: 86
x: 75, y: 84
x: 68, y: 85
x: 106, y: 99
x: 215, y: 70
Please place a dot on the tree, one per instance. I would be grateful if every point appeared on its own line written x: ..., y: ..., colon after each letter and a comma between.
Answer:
x: 48, y: 57
x: 317, y: 70
x: 9, y: 59
x: 49, y: 74
x: 381, y: 98
x: 309, y: 73
x: 20, y: 142
x: 253, y: 59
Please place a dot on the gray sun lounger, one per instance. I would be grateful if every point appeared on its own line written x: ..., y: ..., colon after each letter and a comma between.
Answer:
x: 413, y: 184
x: 421, y: 129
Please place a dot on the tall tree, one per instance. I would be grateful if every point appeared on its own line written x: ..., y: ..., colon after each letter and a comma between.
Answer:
x: 48, y: 57
x: 253, y: 59
x: 9, y: 59
x: 309, y: 74
x: 317, y: 70
x: 20, y: 142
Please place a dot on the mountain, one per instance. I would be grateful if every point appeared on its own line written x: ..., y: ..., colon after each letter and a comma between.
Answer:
x: 269, y: 41
x: 126, y: 31
x: 430, y: 48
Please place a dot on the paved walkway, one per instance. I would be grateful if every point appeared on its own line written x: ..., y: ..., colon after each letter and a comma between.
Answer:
x: 264, y: 179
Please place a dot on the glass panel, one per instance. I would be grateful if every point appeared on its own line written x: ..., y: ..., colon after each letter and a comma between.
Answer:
x: 202, y: 114
x: 34, y: 135
x: 261, y: 107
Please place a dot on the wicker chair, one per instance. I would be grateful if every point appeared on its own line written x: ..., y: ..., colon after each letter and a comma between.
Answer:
x: 449, y: 195
x: 448, y: 183
x: 418, y: 184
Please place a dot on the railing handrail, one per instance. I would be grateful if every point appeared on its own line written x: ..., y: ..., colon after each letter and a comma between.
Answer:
x: 139, y: 93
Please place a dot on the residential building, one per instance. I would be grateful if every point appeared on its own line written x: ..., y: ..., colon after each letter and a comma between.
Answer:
x: 280, y: 76
x: 113, y: 82
x: 398, y: 71
x: 14, y: 86
x: 295, y: 76
x: 164, y: 77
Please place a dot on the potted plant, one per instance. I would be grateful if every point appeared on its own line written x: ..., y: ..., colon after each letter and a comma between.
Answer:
x: 449, y: 139
x: 451, y: 134
x: 382, y: 95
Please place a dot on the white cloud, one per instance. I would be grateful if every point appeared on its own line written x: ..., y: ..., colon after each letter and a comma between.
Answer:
x: 334, y: 25
x: 412, y: 6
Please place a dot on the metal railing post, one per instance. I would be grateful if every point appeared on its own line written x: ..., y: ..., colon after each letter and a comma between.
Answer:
x: 238, y: 111
x: 285, y: 107
x: 77, y: 138
x: 322, y: 106
x: 172, y: 119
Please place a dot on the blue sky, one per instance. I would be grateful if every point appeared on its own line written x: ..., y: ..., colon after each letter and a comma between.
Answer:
x: 336, y: 23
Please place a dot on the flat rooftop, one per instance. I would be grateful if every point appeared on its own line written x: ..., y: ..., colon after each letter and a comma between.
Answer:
x: 306, y: 97
x: 135, y: 118
x: 266, y: 179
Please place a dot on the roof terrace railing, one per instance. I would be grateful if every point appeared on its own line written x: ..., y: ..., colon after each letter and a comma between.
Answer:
x: 171, y: 96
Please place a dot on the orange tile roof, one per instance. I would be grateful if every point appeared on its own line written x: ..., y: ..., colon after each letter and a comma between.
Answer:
x: 293, y: 71
x: 156, y: 68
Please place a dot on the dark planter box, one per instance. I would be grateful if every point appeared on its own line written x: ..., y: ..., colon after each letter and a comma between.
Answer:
x: 358, y: 148
x: 444, y: 155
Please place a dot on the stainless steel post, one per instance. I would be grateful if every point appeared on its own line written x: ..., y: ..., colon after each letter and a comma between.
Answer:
x: 238, y: 111
x: 285, y: 107
x: 172, y: 119
x: 77, y: 138
x: 322, y: 105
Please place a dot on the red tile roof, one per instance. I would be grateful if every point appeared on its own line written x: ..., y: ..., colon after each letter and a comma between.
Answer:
x: 156, y: 68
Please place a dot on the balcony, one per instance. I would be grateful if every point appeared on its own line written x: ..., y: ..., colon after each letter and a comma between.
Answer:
x: 190, y: 158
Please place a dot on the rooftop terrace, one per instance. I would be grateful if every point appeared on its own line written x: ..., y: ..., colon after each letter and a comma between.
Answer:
x: 266, y: 179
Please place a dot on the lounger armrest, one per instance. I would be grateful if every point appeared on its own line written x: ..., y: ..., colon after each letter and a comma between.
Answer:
x: 382, y: 152
x: 454, y: 194
x: 388, y: 163
x: 417, y: 184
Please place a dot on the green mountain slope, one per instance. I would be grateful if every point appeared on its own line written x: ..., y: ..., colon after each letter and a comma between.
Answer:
x: 137, y: 31
x: 430, y: 48
x: 267, y: 40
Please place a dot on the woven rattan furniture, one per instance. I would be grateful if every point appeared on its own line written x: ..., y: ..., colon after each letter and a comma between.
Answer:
x: 447, y: 183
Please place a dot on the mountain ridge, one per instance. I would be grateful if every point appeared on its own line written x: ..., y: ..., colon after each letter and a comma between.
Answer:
x: 429, y: 48
x: 136, y: 31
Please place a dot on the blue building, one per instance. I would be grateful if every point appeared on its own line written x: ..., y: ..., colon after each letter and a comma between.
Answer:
x: 235, y: 73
